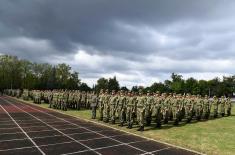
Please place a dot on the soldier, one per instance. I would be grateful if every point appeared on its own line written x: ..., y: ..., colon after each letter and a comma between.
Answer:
x: 199, y: 107
x: 171, y: 105
x: 83, y: 99
x: 189, y: 108
x: 77, y: 99
x: 176, y: 108
x: 141, y: 110
x: 121, y: 108
x: 166, y: 108
x: 215, y: 104
x: 25, y: 94
x: 222, y: 105
x: 113, y: 106
x: 64, y: 102
x: 156, y: 109
x: 148, y: 108
x: 101, y: 104
x: 206, y: 107
x: 106, y: 107
x: 54, y: 99
x: 228, y: 106
x: 131, y: 104
x: 93, y: 104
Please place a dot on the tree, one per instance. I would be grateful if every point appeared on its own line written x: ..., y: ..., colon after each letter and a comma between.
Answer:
x: 113, y: 84
x: 177, y: 84
x: 102, y: 83
x: 84, y: 87
x: 124, y: 88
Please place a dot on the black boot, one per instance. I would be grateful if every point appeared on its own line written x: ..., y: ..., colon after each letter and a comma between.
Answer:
x: 141, y: 128
x: 121, y: 124
x: 113, y: 122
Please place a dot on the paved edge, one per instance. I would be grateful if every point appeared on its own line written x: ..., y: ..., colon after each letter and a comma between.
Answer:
x: 88, y: 120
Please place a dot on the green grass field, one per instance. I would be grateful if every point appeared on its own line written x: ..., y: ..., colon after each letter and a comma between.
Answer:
x: 213, y: 137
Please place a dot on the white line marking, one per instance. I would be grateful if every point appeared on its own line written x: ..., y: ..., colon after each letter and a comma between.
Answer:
x: 100, y: 148
x: 83, y: 127
x: 39, y: 146
x: 10, y: 133
x: 23, y: 131
x: 24, y: 127
x: 52, y: 127
x: 41, y: 137
x: 166, y: 148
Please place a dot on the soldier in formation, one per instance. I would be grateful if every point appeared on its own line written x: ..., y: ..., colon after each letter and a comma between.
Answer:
x: 128, y: 108
x: 158, y: 108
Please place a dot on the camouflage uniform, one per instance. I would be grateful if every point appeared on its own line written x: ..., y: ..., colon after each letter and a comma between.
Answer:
x: 228, y: 106
x: 113, y: 107
x: 106, y: 107
x: 141, y: 111
x: 215, y: 104
x: 222, y: 106
x: 157, y: 109
x: 93, y: 104
x: 131, y: 104
x: 121, y: 108
x: 148, y: 109
x: 101, y: 105
x: 199, y: 108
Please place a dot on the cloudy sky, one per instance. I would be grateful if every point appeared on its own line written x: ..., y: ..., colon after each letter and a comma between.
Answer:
x: 139, y: 41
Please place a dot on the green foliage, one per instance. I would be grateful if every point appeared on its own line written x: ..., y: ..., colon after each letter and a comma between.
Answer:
x: 109, y: 84
x: 84, y: 87
x: 23, y: 74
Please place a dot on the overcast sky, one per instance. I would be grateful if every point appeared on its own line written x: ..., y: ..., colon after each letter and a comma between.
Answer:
x: 139, y: 41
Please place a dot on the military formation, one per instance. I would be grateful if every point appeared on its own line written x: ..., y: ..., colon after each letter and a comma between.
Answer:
x: 128, y: 108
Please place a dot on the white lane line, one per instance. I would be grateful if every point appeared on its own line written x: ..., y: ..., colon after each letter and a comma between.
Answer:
x: 100, y: 138
x: 9, y: 140
x: 23, y: 131
x: 106, y: 147
x: 41, y: 137
x: 34, y: 146
x: 20, y: 148
x: 166, y: 148
x: 24, y: 127
x: 52, y: 127
x: 84, y: 127
x: 9, y: 133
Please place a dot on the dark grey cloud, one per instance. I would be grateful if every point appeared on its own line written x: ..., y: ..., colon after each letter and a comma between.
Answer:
x: 151, y: 37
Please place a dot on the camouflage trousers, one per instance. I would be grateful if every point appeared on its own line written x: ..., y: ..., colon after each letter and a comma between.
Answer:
x: 148, y: 116
x: 140, y: 116
x: 101, y: 111
x: 199, y: 112
x: 222, y: 110
x: 130, y: 113
x: 106, y: 112
x: 156, y: 112
x: 121, y: 114
x: 113, y: 113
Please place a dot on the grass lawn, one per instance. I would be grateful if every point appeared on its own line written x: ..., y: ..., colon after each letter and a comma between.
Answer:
x: 213, y: 137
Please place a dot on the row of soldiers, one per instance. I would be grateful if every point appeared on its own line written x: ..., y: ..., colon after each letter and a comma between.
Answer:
x: 130, y: 108
x: 160, y: 108
x: 58, y: 99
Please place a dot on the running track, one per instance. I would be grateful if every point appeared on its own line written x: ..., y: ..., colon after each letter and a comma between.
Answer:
x: 28, y: 129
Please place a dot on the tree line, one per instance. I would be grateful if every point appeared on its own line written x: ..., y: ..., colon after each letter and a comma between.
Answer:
x: 23, y: 74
